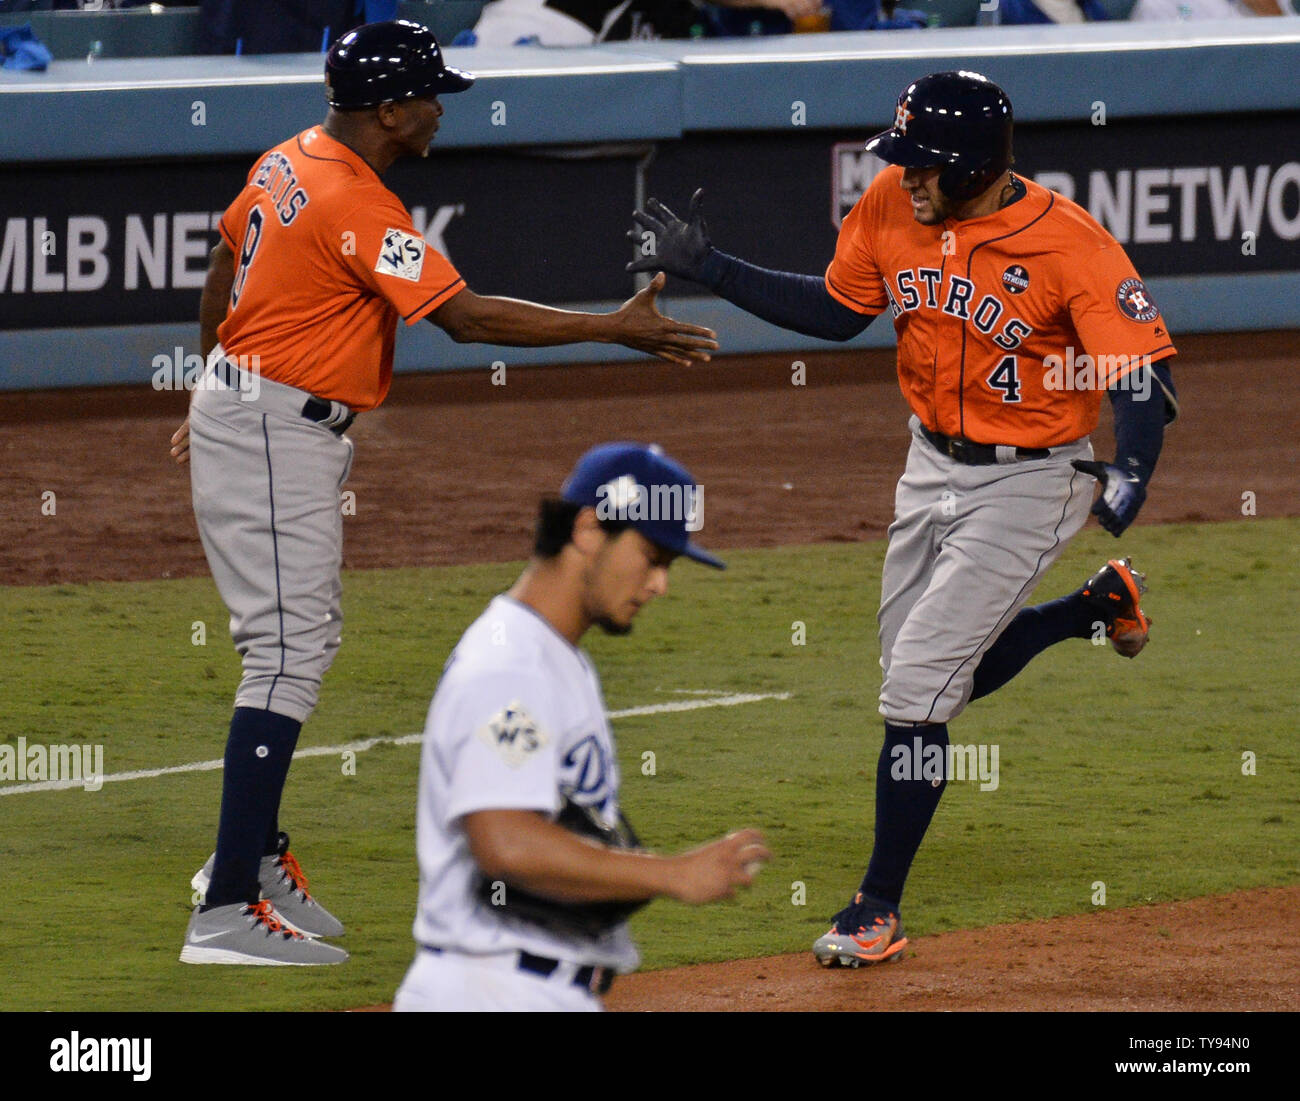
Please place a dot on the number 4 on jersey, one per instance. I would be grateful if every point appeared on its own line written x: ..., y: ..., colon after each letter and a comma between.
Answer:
x: 1004, y: 378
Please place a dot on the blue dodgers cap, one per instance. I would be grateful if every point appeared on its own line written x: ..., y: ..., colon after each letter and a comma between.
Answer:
x: 652, y: 492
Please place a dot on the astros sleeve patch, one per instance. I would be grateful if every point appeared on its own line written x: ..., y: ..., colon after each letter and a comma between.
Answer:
x: 1134, y: 301
x: 1114, y: 314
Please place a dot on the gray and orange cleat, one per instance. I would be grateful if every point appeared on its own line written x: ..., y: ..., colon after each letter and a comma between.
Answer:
x: 1116, y: 590
x: 857, y: 939
x: 251, y: 933
x: 283, y: 884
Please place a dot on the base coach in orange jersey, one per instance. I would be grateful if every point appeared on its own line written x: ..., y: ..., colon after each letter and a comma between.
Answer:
x: 317, y: 261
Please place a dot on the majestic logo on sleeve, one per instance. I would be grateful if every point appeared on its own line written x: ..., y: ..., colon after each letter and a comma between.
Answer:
x: 402, y: 255
x: 513, y: 734
x: 1135, y: 302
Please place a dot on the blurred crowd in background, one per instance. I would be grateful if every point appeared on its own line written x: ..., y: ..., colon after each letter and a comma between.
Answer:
x: 293, y: 26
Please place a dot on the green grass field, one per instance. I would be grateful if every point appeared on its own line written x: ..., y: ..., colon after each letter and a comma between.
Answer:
x: 1129, y: 773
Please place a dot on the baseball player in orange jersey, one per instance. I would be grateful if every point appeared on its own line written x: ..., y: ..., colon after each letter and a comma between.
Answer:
x: 1014, y: 310
x: 317, y: 261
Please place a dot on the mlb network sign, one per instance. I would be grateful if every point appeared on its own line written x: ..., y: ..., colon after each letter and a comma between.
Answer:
x: 1137, y: 206
x: 852, y: 171
x: 1182, y: 196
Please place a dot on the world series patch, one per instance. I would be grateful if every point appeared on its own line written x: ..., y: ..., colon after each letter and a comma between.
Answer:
x: 1134, y: 302
x: 402, y: 255
x: 514, y: 734
x: 1015, y: 279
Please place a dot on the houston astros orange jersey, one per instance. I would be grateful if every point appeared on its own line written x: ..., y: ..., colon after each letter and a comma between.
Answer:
x: 1010, y: 326
x: 326, y: 260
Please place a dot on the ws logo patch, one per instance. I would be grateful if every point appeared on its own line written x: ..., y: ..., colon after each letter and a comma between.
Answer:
x: 402, y: 255
x: 513, y: 734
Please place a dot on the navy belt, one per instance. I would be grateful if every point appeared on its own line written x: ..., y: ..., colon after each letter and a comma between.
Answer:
x: 314, y: 409
x: 977, y: 454
x: 597, y: 980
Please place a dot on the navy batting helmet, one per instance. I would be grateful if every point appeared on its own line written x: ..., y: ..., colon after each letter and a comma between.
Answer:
x: 958, y: 120
x: 382, y: 62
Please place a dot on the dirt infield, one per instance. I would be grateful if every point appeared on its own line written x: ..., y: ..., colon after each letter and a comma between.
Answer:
x: 1148, y: 958
x: 449, y: 471
x: 1164, y: 957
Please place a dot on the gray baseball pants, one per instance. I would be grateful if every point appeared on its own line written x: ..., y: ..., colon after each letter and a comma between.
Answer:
x: 967, y: 547
x: 266, y: 484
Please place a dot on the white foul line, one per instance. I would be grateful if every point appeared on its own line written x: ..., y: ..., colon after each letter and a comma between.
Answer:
x: 732, y: 700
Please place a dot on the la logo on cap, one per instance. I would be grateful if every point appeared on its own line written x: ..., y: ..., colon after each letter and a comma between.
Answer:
x: 618, y: 496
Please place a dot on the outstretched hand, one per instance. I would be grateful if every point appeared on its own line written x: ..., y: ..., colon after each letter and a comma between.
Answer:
x: 666, y: 243
x: 639, y: 324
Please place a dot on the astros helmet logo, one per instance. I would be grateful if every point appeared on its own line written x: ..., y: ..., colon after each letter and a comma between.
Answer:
x: 902, y: 117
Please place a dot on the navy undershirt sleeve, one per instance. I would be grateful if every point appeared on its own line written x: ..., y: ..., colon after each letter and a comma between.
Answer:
x: 800, y: 303
x: 1140, y: 422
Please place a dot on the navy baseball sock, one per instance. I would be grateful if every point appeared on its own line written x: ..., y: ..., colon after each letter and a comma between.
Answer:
x: 258, y: 753
x: 1029, y: 634
x: 910, y: 777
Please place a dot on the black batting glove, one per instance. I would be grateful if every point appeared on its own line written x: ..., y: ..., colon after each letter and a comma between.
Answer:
x: 1121, y: 497
x: 666, y: 243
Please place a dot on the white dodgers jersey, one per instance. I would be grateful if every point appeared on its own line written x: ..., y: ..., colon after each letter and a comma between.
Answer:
x: 517, y: 723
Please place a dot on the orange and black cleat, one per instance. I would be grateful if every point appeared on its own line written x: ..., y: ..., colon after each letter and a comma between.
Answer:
x: 1116, y: 591
x: 881, y: 941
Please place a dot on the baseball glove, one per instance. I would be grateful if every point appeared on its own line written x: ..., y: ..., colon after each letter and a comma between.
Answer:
x: 588, y: 920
